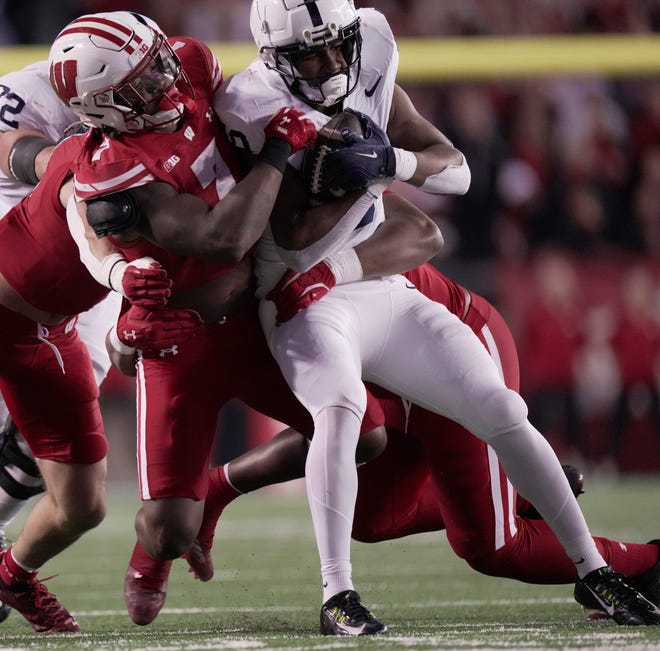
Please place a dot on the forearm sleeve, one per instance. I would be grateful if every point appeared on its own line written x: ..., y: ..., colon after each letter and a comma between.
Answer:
x: 454, y: 179
x: 98, y: 268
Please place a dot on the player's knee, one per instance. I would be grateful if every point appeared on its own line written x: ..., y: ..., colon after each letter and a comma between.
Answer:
x: 86, y: 515
x: 167, y: 542
x: 504, y: 410
x: 499, y: 563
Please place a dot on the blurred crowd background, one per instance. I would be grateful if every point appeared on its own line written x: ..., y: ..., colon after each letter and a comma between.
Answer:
x: 560, y: 228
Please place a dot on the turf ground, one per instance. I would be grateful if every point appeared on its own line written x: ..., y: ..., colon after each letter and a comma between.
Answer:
x: 266, y: 591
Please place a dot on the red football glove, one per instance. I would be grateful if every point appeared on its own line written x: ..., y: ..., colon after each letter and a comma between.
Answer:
x: 292, y: 126
x: 294, y: 291
x: 155, y: 330
x: 143, y: 282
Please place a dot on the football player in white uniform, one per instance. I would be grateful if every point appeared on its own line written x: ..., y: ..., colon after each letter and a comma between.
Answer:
x: 27, y: 101
x: 326, y: 55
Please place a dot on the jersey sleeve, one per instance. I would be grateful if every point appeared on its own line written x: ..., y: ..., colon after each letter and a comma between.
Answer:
x: 105, y: 166
x: 27, y: 101
x: 201, y: 65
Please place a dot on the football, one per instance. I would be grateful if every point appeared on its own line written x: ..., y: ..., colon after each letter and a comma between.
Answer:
x: 330, y: 137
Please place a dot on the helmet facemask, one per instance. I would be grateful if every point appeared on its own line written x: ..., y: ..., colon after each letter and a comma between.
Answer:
x: 150, y: 94
x: 327, y: 90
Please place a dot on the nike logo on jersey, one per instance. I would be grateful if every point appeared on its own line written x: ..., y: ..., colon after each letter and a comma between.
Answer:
x: 411, y: 286
x: 373, y: 154
x: 370, y: 91
x: 580, y: 561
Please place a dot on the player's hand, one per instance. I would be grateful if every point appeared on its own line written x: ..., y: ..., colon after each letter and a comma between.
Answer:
x: 143, y: 282
x: 357, y: 166
x: 292, y: 126
x: 296, y: 291
x: 156, y: 330
x: 365, y: 160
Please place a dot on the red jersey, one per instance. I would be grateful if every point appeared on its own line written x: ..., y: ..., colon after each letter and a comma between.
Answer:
x: 441, y: 289
x: 38, y: 256
x: 194, y: 159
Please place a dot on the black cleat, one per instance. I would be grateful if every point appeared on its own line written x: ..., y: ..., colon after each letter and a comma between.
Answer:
x: 608, y: 591
x: 648, y: 583
x: 344, y: 614
x: 576, y: 482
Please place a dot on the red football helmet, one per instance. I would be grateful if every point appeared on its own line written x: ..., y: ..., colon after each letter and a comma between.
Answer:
x: 117, y: 70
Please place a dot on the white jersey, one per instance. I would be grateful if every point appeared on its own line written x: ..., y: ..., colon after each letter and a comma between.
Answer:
x: 250, y: 98
x: 27, y: 101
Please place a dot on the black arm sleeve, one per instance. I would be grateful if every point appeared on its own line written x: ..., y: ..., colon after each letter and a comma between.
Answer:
x: 113, y: 213
x: 22, y: 156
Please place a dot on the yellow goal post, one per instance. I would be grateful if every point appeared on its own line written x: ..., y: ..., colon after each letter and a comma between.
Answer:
x: 473, y: 58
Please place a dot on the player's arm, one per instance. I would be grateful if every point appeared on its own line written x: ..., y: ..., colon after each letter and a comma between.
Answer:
x: 24, y: 154
x: 142, y: 281
x: 406, y: 239
x: 185, y: 224
x: 223, y: 233
x: 425, y: 157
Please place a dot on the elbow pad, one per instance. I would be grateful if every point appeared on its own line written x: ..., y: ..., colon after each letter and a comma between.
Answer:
x: 113, y: 214
x: 454, y: 179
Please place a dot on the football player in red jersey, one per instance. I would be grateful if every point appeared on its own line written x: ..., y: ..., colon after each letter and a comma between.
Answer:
x: 46, y: 373
x: 157, y: 178
x: 27, y: 101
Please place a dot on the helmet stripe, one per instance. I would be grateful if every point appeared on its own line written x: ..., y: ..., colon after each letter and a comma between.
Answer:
x: 314, y: 13
x: 102, y: 21
x: 102, y: 27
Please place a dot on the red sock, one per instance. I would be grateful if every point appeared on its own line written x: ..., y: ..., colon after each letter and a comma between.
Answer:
x: 152, y: 569
x: 220, y: 494
x: 11, y: 572
x: 630, y: 559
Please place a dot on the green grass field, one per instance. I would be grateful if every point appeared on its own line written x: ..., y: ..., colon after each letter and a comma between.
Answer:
x: 266, y: 591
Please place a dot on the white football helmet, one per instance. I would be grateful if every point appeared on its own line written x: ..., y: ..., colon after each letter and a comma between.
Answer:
x: 284, y: 30
x: 117, y: 70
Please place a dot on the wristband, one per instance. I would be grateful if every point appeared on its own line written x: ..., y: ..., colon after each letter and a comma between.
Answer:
x: 275, y: 152
x: 346, y: 266
x: 114, y: 266
x: 406, y: 164
x: 118, y: 344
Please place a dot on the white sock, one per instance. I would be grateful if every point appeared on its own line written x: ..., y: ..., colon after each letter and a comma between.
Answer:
x: 331, y: 479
